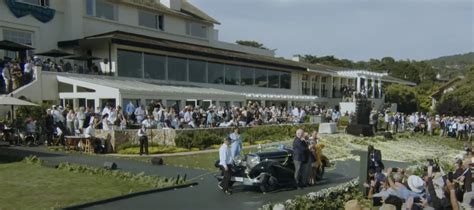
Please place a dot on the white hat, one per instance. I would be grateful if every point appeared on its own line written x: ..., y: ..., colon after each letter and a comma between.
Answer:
x: 415, y: 183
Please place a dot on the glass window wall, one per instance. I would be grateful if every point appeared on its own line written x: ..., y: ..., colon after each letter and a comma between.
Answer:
x: 130, y: 64
x: 155, y: 67
x: 273, y: 79
x: 177, y: 68
x: 232, y: 75
x: 215, y: 73
x: 261, y: 78
x: 248, y: 76
x: 197, y: 71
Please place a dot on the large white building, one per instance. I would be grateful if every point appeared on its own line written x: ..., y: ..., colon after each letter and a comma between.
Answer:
x: 166, y: 50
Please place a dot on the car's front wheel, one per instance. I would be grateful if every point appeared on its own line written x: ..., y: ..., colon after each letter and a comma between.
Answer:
x: 268, y: 183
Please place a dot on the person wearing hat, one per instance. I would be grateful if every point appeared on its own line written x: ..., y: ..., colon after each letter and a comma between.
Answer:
x: 352, y: 205
x: 225, y: 162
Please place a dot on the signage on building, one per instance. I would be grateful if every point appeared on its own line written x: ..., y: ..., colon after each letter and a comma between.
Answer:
x: 20, y: 9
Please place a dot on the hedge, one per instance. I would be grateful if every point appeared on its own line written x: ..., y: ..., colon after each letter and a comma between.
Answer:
x: 206, y: 138
x: 329, y: 198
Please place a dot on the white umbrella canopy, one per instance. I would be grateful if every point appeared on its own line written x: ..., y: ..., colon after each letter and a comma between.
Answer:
x: 11, y: 101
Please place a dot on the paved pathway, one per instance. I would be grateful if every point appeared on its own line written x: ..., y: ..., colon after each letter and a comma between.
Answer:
x: 203, y: 196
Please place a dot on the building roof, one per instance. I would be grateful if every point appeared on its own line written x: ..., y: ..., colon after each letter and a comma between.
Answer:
x: 190, y: 9
x: 446, y: 85
x: 137, y: 40
x: 187, y: 9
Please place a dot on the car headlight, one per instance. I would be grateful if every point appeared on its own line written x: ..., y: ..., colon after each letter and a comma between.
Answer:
x: 253, y: 160
x: 237, y: 160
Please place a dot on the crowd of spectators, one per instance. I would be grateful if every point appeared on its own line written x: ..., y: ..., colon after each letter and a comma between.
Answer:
x: 155, y: 115
x: 66, y: 66
x: 15, y: 73
x: 435, y: 188
x: 458, y: 127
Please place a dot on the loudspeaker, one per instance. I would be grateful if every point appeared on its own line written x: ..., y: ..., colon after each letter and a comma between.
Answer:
x: 110, y: 165
x: 364, y: 166
x: 157, y: 161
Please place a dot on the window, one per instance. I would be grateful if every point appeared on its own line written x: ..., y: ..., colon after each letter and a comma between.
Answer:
x: 273, y: 79
x: 196, y: 29
x: 305, y: 84
x: 101, y: 9
x: 285, y: 80
x: 150, y: 20
x: 247, y: 75
x: 324, y: 90
x: 155, y: 66
x: 261, y: 79
x: 129, y: 64
x: 177, y: 69
x: 215, y: 73
x: 197, y: 71
x: 43, y: 3
x: 232, y: 75
x: 315, y: 85
x: 22, y: 37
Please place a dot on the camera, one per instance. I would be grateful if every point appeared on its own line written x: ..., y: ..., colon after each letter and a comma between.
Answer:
x: 395, y: 170
x: 433, y: 163
x: 450, y: 176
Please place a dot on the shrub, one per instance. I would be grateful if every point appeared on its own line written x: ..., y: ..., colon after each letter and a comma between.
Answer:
x: 344, y: 121
x: 204, y: 139
x: 154, y: 181
x: 153, y: 150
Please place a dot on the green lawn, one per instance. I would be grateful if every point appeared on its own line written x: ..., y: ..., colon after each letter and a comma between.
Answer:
x: 339, y: 147
x: 30, y: 186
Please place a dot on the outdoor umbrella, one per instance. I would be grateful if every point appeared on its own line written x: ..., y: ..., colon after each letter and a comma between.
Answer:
x: 54, y: 53
x: 13, y: 46
x: 11, y: 101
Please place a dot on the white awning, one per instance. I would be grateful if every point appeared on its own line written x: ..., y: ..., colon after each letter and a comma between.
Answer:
x: 130, y: 87
x: 279, y: 97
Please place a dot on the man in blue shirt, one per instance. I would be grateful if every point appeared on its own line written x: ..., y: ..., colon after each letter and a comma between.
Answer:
x: 225, y: 162
x: 130, y: 109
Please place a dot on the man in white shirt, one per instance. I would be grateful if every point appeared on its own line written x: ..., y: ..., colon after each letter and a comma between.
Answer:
x: 143, y: 138
x: 225, y: 162
x: 140, y: 114
x: 28, y: 69
x: 149, y: 123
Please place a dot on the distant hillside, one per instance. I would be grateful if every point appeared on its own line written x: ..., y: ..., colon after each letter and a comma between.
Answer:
x: 454, y: 64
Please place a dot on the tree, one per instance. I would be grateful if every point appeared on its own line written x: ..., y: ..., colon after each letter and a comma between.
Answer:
x: 403, y: 96
x: 250, y: 43
x: 460, y: 100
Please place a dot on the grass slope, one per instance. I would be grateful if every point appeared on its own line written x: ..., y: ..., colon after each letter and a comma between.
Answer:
x: 29, y: 186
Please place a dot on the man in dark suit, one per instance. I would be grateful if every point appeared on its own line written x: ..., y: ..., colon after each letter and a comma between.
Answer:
x: 300, y: 158
x: 375, y: 159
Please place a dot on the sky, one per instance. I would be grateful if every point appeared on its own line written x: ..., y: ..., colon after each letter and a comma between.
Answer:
x: 352, y: 29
